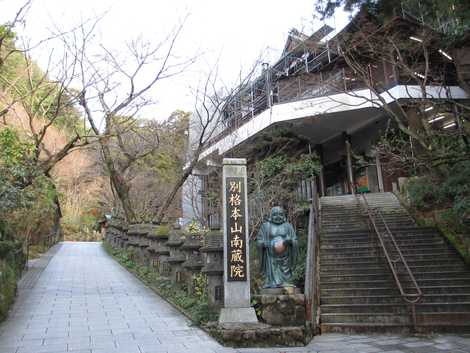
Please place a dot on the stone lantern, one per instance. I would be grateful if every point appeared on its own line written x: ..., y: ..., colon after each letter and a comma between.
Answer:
x: 193, y: 263
x: 151, y: 244
x: 213, y: 251
x: 133, y: 237
x: 144, y: 243
x: 159, y: 236
x: 116, y: 226
x: 111, y: 233
x: 176, y: 258
x: 123, y: 239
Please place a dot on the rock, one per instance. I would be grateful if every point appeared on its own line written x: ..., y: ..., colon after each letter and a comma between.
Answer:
x: 282, y: 310
x: 259, y: 335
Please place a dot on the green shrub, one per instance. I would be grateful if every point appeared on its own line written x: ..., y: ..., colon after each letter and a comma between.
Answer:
x: 448, y: 195
x: 298, y: 276
x: 457, y: 182
x: 12, y: 261
x: 7, y: 288
x: 423, y: 193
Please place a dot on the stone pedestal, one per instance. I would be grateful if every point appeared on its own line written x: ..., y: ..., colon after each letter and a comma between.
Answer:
x: 281, y: 309
x: 280, y: 291
x: 259, y: 335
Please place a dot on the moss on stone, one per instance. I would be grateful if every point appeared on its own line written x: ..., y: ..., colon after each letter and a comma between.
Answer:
x: 160, y: 231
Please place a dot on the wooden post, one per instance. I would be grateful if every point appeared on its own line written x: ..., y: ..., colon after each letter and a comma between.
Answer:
x: 349, y: 163
x: 321, y: 175
x: 311, y: 283
x: 379, y: 173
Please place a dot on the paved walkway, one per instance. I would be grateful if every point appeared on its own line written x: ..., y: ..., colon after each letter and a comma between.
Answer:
x: 82, y: 301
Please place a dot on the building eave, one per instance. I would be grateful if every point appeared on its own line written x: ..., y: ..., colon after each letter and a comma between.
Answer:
x: 321, y: 108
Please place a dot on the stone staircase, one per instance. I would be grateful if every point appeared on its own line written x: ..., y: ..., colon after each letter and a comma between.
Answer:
x: 357, y: 290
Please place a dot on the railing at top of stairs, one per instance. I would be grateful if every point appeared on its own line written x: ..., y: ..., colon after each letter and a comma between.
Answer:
x: 389, y: 244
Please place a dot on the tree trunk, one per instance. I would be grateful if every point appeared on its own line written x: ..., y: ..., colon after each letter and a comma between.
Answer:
x: 461, y: 58
x: 118, y: 183
x: 166, y: 205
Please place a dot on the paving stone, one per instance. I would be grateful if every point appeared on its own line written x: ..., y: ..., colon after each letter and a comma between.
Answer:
x: 84, y: 302
x: 43, y: 349
x: 418, y: 344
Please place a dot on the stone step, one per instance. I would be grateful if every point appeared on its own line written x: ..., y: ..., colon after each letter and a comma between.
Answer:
x: 350, y: 211
x: 387, y: 298
x: 345, y: 227
x: 353, y: 206
x: 408, y: 254
x: 357, y: 289
x: 372, y: 246
x: 327, y: 278
x: 456, y: 281
x: 359, y: 317
x: 382, y: 328
x: 391, y: 289
x: 411, y: 258
x: 364, y: 233
x: 371, y: 240
x: 370, y: 260
x: 364, y: 328
x: 414, y: 228
x: 349, y: 215
x: 376, y: 268
x: 444, y: 318
x: 443, y: 307
x: 371, y: 308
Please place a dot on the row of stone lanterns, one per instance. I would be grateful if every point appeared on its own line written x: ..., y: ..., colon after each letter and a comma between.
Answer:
x: 174, y: 254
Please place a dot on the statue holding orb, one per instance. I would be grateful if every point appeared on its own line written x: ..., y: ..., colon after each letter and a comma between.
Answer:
x: 277, y: 248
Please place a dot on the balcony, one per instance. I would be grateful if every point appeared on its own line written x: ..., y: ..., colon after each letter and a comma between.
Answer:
x: 296, y: 84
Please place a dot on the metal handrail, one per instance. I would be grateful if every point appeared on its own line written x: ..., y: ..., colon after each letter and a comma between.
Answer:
x: 410, y: 298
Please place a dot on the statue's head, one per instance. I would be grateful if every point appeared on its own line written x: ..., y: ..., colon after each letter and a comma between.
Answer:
x: 278, y: 215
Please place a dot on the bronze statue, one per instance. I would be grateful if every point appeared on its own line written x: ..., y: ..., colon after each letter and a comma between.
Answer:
x: 277, y: 248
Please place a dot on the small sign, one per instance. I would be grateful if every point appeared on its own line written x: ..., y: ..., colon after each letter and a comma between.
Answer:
x: 236, y: 232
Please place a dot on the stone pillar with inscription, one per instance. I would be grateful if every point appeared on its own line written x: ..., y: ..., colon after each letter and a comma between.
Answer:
x: 237, y: 308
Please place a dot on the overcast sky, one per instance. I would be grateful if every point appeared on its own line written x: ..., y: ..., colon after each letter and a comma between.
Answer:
x: 236, y: 31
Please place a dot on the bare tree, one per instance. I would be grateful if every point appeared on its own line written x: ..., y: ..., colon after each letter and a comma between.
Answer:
x: 211, y: 97
x: 37, y: 103
x: 411, y: 55
x: 115, y: 86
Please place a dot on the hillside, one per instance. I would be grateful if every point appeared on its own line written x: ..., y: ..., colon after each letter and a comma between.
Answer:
x: 79, y: 178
